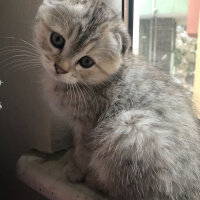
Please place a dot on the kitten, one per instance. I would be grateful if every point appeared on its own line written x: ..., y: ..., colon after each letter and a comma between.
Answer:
x: 135, y: 134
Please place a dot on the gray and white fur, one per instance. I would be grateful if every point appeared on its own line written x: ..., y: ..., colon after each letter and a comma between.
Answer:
x: 135, y: 134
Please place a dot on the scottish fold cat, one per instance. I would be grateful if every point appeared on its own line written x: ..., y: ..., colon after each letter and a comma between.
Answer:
x: 135, y: 132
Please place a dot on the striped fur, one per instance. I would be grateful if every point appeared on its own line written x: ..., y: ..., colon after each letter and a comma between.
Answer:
x: 135, y: 133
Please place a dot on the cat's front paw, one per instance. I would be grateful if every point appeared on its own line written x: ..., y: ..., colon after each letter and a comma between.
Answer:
x: 73, y: 173
x: 93, y: 182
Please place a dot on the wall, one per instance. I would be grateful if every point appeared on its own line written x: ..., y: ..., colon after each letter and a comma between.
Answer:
x: 23, y: 117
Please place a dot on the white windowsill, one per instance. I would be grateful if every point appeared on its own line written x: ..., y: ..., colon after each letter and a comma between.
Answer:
x: 43, y: 173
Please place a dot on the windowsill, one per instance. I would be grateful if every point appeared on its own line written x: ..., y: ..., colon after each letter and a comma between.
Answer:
x: 43, y: 173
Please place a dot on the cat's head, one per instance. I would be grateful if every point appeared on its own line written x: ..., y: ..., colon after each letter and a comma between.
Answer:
x: 80, y: 40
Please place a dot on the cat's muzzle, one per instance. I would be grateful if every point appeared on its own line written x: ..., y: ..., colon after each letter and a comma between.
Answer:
x: 59, y: 70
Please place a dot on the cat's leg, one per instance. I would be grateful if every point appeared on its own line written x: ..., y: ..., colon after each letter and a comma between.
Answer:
x: 93, y: 181
x: 140, y: 156
x: 76, y: 167
x: 72, y: 170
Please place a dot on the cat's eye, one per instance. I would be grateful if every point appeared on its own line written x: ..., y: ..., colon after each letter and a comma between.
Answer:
x: 86, y: 62
x: 57, y: 40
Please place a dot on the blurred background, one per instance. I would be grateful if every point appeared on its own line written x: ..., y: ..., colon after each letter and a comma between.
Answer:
x: 164, y: 33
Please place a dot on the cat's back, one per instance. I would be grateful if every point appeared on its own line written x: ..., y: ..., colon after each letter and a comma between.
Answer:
x: 153, y: 119
x: 142, y: 86
x: 144, y: 89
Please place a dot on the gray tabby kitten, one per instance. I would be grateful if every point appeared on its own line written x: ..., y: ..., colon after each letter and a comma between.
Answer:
x: 135, y: 134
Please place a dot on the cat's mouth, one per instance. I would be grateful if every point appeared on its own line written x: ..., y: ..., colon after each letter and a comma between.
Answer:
x: 59, y: 70
x: 62, y: 75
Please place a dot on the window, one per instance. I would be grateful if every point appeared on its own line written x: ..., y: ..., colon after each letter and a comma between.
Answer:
x: 165, y: 34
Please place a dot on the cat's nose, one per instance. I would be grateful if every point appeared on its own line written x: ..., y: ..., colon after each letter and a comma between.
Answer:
x: 60, y: 70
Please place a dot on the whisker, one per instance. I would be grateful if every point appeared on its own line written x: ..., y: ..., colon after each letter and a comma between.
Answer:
x: 82, y: 96
x: 18, y: 67
x: 20, y: 40
x: 90, y: 92
x: 18, y: 56
x: 74, y: 99
x: 24, y: 68
x: 12, y: 51
x: 33, y: 67
x: 19, y: 47
x: 70, y: 93
x: 79, y: 100
x: 19, y: 61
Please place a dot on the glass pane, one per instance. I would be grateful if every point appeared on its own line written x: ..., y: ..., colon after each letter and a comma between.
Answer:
x: 164, y: 38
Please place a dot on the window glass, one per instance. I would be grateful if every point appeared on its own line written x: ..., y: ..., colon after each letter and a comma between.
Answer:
x: 163, y: 37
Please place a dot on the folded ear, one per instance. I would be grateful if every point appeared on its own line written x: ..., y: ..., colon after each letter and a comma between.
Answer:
x: 124, y: 39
